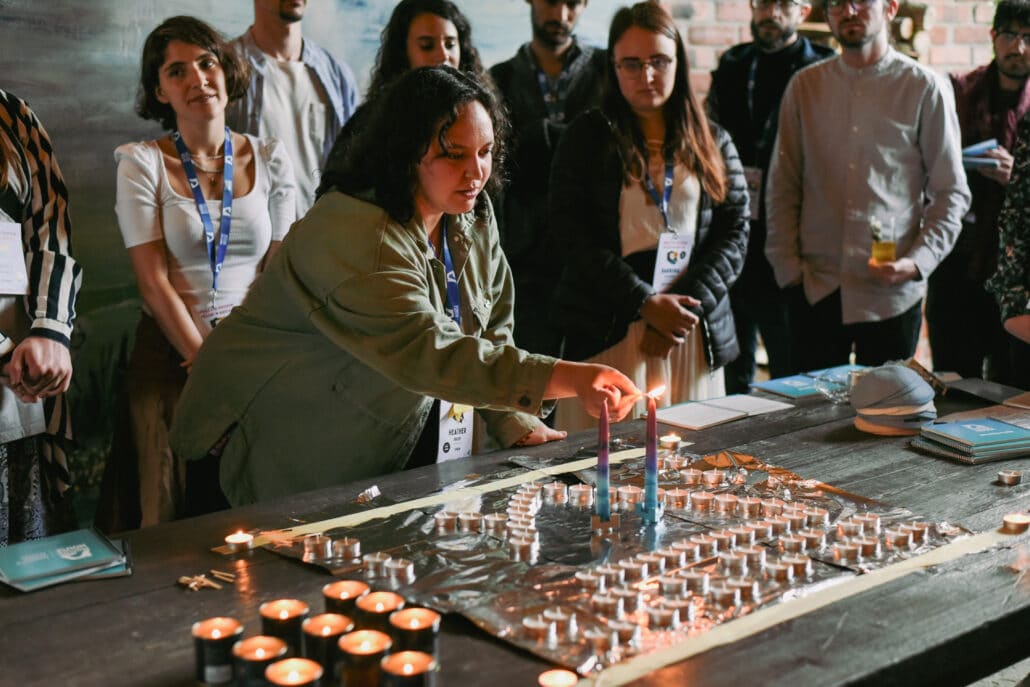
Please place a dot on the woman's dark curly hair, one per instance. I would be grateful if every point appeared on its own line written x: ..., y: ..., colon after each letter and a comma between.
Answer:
x: 384, y: 155
x: 195, y: 32
x: 392, y: 58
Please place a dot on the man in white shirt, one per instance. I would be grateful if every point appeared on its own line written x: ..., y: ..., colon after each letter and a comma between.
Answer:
x: 298, y: 92
x: 868, y: 144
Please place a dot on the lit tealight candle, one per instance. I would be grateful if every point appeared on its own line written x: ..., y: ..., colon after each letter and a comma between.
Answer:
x: 360, y: 654
x: 372, y: 611
x: 213, y: 640
x: 1015, y: 523
x: 341, y: 596
x: 670, y: 440
x: 239, y: 541
x: 298, y: 672
x: 321, y: 634
x: 408, y: 669
x: 252, y: 655
x: 283, y: 618
x: 557, y: 678
x: 415, y: 629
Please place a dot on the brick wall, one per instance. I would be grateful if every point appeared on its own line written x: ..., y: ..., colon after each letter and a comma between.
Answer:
x: 959, y: 32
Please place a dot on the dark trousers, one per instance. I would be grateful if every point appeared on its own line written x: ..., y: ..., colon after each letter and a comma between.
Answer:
x: 753, y: 316
x: 966, y: 334
x: 821, y: 339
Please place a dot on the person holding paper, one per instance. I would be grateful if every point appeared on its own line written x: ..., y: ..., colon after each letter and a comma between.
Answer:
x: 966, y: 334
x: 391, y: 292
x: 201, y: 211
x: 39, y: 282
x: 648, y: 204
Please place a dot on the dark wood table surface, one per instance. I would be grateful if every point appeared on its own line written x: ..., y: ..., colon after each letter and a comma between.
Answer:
x: 946, y: 625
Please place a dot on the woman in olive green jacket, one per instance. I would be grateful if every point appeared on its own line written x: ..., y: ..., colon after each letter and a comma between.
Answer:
x: 328, y: 371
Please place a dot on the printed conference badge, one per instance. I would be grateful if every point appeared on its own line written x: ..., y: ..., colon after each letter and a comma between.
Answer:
x: 455, y: 431
x: 673, y: 256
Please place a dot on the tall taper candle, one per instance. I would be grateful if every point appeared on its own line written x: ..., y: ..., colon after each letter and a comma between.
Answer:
x: 650, y: 505
x: 603, y: 472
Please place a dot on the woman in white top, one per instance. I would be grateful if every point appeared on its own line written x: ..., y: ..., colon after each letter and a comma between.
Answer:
x: 648, y: 207
x: 191, y: 270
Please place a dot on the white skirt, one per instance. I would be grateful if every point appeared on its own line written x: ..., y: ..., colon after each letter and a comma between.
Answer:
x: 685, y: 374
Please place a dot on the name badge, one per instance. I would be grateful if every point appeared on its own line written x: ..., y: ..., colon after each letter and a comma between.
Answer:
x: 208, y: 315
x: 753, y: 178
x: 14, y: 279
x: 455, y: 431
x: 673, y: 256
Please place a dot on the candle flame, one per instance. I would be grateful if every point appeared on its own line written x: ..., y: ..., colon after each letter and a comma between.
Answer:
x: 657, y: 392
x: 414, y: 623
x: 326, y: 630
x: 284, y: 614
x: 408, y: 669
x: 293, y: 676
x: 366, y: 645
x: 380, y: 607
x: 216, y: 633
x: 259, y: 652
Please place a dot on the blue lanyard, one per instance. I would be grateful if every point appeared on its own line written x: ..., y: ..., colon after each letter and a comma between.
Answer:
x: 662, y: 201
x: 453, y: 295
x: 217, y: 256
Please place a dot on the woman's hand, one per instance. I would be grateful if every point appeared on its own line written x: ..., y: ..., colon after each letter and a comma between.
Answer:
x: 541, y: 434
x: 593, y: 385
x: 39, y: 368
x: 668, y: 315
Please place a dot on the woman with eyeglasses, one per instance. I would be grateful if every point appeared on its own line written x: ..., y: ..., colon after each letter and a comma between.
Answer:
x: 648, y: 206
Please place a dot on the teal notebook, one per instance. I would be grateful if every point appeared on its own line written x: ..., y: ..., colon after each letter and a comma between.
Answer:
x: 57, y: 555
x: 979, y: 433
x: 795, y: 386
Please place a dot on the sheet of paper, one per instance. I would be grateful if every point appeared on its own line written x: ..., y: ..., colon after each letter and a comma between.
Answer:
x: 745, y: 403
x: 697, y: 415
x: 13, y: 277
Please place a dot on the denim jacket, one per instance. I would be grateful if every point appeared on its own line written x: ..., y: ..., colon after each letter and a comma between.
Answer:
x: 328, y: 368
x: 336, y: 78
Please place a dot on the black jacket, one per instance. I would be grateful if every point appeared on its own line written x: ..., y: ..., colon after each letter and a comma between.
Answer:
x: 599, y: 293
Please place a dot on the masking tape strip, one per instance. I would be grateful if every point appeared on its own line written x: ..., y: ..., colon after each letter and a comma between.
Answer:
x: 765, y: 618
x: 440, y: 498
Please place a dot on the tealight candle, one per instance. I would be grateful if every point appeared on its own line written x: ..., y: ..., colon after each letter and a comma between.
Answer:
x: 919, y: 530
x: 725, y: 503
x: 372, y: 611
x: 814, y: 538
x: 556, y: 492
x: 781, y: 572
x: 802, y: 565
x: 733, y: 562
x: 630, y: 494
x: 755, y: 557
x: 705, y: 544
x: 408, y: 669
x: 494, y: 523
x: 724, y: 540
x: 846, y: 552
x: 817, y: 517
x: 298, y: 672
x: 360, y: 656
x: 677, y: 498
x: 591, y: 582
x: 613, y: 574
x: 607, y: 605
x: 239, y: 541
x: 627, y: 631
x: 317, y: 547
x: 779, y: 525
x: 662, y: 618
x: 724, y: 595
x: 747, y: 586
x: 870, y: 522
x: 1010, y: 478
x: 655, y: 563
x: 869, y: 547
x: 522, y: 548
x: 1015, y: 523
x: 631, y: 598
x: 400, y: 570
x: 541, y: 629
x: 691, y: 476
x: 557, y: 678
x: 792, y: 543
x: 565, y: 622
x: 347, y: 548
x: 446, y: 521
x: 763, y: 529
x: 602, y: 639
x: 713, y: 478
x: 581, y: 495
x: 850, y: 528
x: 675, y: 462
x: 633, y: 570
x: 897, y: 538
x: 252, y: 655
x: 697, y: 581
x: 213, y: 640
x: 670, y: 441
x: 750, y: 506
x: 340, y: 596
x: 744, y: 535
x: 682, y: 608
x: 375, y: 563
x: 415, y: 629
x: 701, y: 500
x: 691, y: 550
x: 772, y: 507
x: 797, y: 519
x: 672, y: 585
x: 283, y: 618
x: 470, y: 522
x: 321, y: 635
x: 674, y: 558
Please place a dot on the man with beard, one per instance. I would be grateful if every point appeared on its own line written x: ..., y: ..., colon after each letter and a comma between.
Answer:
x: 868, y: 149
x: 298, y: 92
x: 745, y: 99
x: 963, y: 318
x: 545, y: 85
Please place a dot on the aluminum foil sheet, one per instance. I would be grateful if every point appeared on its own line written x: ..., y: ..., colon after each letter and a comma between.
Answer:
x: 532, y: 578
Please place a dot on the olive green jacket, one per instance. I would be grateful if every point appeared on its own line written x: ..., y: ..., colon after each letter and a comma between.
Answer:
x: 329, y: 367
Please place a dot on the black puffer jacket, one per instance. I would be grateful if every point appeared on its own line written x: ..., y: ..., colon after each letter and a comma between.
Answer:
x: 599, y: 293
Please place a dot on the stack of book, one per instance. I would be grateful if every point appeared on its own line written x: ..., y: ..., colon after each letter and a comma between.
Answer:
x: 974, y: 441
x: 83, y: 554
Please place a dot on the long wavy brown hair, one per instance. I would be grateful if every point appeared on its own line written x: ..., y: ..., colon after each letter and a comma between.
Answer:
x: 688, y: 136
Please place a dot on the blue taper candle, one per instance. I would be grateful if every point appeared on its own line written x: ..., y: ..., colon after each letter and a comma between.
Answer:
x: 603, y: 474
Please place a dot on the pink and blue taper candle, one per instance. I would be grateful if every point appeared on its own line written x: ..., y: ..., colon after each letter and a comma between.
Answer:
x: 649, y: 508
x: 603, y: 472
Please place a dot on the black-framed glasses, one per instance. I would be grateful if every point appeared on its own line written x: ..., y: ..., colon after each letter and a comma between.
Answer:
x: 633, y: 66
x: 1012, y: 37
x: 784, y: 5
x: 857, y: 5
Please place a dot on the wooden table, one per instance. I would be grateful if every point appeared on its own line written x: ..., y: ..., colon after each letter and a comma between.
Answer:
x: 947, y: 625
